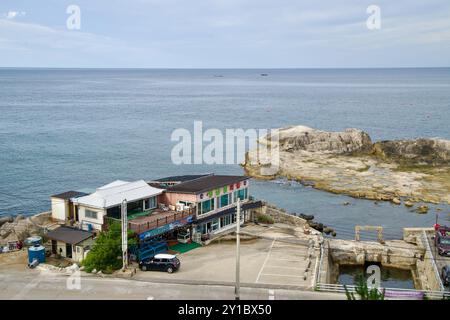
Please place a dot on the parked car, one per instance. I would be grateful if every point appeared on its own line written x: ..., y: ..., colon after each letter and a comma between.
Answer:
x: 445, y: 275
x: 161, y: 262
x: 442, y: 240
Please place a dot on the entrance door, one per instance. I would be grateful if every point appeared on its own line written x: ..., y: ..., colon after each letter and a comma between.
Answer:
x: 68, y: 250
x: 208, y: 227
x: 54, y: 247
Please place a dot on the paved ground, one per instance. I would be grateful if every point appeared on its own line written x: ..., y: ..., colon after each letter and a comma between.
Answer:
x: 33, y: 284
x: 271, y: 268
x: 263, y: 261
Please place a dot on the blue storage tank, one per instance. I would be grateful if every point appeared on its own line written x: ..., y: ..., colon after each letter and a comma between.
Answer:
x: 37, y: 253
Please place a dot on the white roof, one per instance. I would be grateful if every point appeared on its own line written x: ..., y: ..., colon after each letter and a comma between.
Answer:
x: 164, y: 256
x: 114, y: 193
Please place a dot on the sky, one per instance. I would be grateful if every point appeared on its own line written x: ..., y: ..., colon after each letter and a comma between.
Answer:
x: 224, y: 34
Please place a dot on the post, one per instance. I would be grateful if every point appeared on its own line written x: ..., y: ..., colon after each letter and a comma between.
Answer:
x: 238, y: 230
x: 124, y: 220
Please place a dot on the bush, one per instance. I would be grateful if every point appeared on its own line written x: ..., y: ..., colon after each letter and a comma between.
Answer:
x: 264, y: 218
x: 106, y: 254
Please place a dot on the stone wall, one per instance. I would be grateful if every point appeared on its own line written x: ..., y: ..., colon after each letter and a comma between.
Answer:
x: 278, y: 215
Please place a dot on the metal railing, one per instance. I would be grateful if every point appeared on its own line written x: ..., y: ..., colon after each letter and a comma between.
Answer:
x: 150, y: 225
x: 389, y: 292
x: 433, y: 262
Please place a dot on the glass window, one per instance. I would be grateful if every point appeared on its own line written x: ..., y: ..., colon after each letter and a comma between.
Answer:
x: 207, y: 206
x: 215, y: 224
x: 224, y: 200
x: 90, y: 214
x: 241, y: 194
x: 150, y: 203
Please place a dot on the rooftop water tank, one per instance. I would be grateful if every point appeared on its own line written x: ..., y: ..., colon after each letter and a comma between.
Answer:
x: 36, y: 253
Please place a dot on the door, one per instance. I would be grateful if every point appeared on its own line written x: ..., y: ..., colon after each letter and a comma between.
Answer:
x: 153, y: 265
x: 68, y: 250
x: 54, y: 247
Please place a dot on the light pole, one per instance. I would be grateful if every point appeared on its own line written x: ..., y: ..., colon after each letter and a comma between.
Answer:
x: 124, y: 220
x: 238, y: 228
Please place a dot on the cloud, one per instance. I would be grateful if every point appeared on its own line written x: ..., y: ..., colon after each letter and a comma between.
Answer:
x: 14, y: 14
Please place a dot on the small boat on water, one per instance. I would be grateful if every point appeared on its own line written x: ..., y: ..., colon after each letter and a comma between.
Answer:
x: 264, y: 74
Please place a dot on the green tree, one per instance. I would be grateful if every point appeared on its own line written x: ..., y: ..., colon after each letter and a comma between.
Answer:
x: 363, y: 291
x: 106, y: 253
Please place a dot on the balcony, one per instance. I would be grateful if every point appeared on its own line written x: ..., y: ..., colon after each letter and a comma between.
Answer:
x: 157, y: 218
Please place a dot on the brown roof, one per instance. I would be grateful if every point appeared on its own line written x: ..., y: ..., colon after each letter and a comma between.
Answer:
x: 69, y: 235
x: 69, y: 194
x: 206, y: 183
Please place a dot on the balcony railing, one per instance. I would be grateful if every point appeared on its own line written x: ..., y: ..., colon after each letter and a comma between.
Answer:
x: 156, y: 220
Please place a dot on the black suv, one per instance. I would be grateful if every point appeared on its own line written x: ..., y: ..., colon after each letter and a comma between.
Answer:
x: 161, y: 262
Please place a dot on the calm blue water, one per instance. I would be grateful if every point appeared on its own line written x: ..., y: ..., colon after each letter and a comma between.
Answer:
x: 78, y: 129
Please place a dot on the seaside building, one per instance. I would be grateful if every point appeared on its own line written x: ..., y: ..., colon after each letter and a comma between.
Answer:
x: 176, y: 209
x: 70, y: 243
x: 63, y: 209
x: 106, y: 201
x: 212, y: 200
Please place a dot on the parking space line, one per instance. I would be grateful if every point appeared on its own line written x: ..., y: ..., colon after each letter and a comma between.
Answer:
x: 265, y: 261
x: 280, y: 275
x: 298, y: 268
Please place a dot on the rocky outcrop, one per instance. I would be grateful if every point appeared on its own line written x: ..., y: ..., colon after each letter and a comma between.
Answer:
x: 308, y: 139
x: 21, y: 227
x: 415, y: 152
x: 347, y: 162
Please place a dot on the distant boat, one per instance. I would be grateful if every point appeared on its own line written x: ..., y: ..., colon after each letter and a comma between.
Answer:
x: 264, y: 74
x: 218, y: 76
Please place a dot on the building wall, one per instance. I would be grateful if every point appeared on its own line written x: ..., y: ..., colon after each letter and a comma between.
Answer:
x: 169, y: 198
x: 61, y: 248
x: 78, y: 251
x: 84, y: 221
x: 60, y: 209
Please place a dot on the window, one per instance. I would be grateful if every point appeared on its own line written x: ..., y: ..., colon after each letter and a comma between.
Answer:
x: 215, y: 224
x: 90, y: 214
x: 241, y: 194
x: 150, y: 203
x: 207, y: 206
x: 225, y: 221
x: 224, y: 200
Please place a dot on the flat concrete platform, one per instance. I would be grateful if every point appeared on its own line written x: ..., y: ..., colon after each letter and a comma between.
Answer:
x: 263, y: 261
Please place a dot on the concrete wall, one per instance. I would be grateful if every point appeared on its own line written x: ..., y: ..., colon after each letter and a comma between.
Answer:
x: 78, y: 251
x: 60, y: 209
x: 279, y: 215
x: 96, y: 223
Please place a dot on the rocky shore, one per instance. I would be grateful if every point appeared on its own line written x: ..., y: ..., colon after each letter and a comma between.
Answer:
x: 349, y: 163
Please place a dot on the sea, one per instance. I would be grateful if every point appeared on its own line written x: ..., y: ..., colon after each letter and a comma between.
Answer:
x: 78, y: 129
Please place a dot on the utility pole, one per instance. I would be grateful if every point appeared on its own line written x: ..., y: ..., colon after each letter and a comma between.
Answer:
x: 124, y: 220
x: 238, y: 230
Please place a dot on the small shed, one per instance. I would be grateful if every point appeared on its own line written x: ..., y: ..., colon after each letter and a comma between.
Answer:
x: 70, y: 242
x: 62, y: 205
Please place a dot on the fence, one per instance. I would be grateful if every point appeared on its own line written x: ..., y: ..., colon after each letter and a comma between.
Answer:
x: 430, y: 255
x: 389, y: 292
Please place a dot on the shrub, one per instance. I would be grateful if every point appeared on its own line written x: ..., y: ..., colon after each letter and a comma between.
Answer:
x: 264, y: 218
x: 106, y: 253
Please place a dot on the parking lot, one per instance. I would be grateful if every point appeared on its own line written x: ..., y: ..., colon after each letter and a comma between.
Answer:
x: 263, y: 261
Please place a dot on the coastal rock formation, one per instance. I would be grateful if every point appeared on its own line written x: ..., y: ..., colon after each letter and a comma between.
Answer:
x: 349, y: 163
x: 21, y: 227
x: 415, y: 152
x: 304, y: 138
